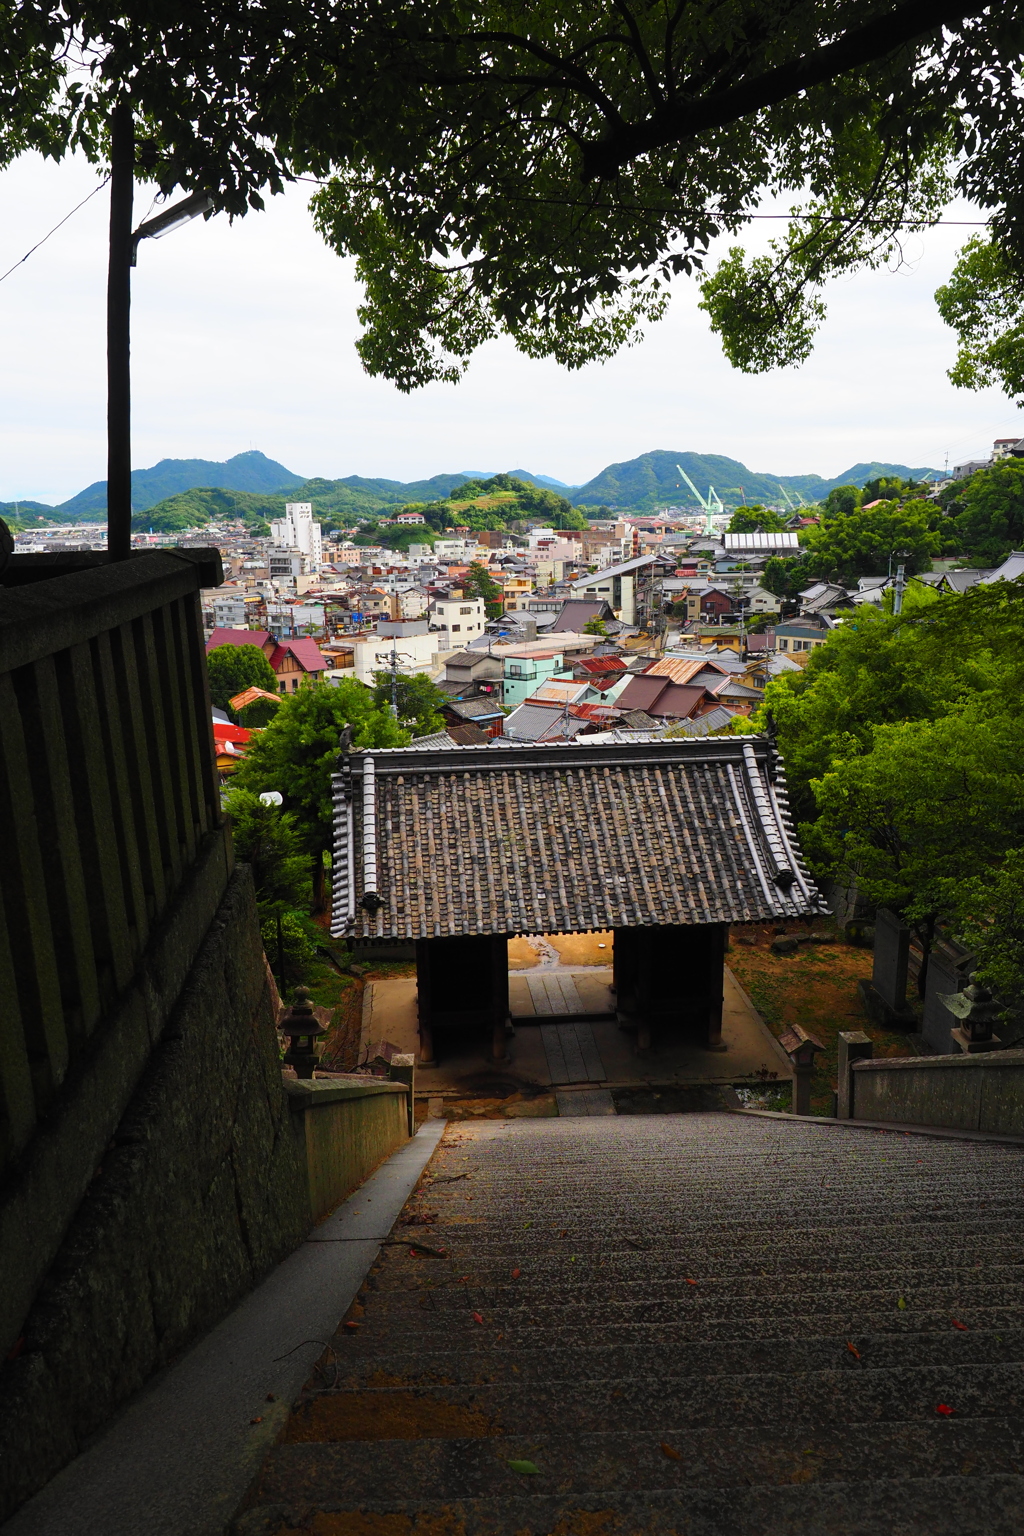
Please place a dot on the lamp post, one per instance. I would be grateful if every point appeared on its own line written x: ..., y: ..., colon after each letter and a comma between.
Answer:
x: 122, y: 251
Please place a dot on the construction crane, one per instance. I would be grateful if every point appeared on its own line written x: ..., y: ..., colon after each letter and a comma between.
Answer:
x: 712, y: 506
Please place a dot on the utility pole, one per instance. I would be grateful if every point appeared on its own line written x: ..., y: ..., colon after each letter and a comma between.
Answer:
x: 897, y: 597
x: 119, y: 298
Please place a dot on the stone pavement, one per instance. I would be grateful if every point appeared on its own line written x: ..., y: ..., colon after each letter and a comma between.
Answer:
x: 701, y: 1324
x: 389, y: 1013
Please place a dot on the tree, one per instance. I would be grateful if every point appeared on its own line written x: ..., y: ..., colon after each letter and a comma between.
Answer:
x: 987, y: 511
x: 756, y: 520
x: 270, y: 840
x: 596, y: 626
x: 842, y: 500
x: 420, y: 701
x: 480, y: 583
x: 784, y: 578
x: 558, y: 166
x: 929, y: 806
x: 983, y: 302
x: 991, y: 922
x: 298, y: 753
x: 864, y: 542
x: 233, y: 668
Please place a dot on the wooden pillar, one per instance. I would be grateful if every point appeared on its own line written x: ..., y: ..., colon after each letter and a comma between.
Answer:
x: 717, y: 936
x: 645, y: 961
x: 499, y: 996
x: 424, y: 1003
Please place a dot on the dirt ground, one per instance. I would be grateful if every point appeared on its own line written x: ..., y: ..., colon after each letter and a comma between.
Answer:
x: 816, y: 987
x: 573, y: 949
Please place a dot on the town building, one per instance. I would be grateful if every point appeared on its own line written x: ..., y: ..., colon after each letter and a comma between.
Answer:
x: 298, y: 532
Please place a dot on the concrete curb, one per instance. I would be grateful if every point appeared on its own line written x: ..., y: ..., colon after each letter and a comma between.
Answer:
x: 180, y: 1457
x: 949, y: 1132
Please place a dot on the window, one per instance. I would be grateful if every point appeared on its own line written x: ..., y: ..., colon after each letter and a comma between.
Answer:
x: 465, y: 610
x: 456, y: 628
x: 283, y: 685
x: 515, y: 671
x: 783, y: 645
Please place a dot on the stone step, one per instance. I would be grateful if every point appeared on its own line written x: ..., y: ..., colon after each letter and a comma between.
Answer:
x: 555, y: 1329
x: 838, y: 1396
x: 570, y: 1463
x: 942, y: 1506
x: 377, y: 1367
x: 703, y: 1302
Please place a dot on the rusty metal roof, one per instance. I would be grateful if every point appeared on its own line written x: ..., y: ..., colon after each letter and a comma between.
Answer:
x: 564, y: 838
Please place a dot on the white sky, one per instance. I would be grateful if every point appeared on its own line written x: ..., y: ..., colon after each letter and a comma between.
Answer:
x: 242, y: 338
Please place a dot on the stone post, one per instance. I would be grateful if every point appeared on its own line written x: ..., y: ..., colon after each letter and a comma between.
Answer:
x: 403, y: 1070
x: 854, y: 1045
x: 801, y: 1046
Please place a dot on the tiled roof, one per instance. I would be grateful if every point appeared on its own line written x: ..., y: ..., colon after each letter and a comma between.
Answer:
x: 306, y: 653
x: 564, y: 838
x: 680, y: 669
x: 481, y: 708
x: 542, y: 722
x: 257, y: 637
x: 575, y: 614
x: 660, y: 696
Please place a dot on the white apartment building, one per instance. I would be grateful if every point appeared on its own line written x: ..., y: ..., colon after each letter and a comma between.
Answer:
x: 453, y: 549
x: 458, y: 619
x: 297, y: 530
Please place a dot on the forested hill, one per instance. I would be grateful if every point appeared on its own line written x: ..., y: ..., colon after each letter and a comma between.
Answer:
x: 252, y: 472
x: 653, y: 480
x: 183, y: 493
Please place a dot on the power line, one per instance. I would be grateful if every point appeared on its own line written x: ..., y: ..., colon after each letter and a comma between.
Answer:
x: 54, y: 230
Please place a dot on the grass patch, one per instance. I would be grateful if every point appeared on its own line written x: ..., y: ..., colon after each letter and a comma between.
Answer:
x: 816, y: 987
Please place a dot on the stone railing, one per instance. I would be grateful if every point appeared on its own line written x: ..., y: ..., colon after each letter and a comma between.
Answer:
x: 114, y: 857
x: 971, y: 1092
x: 348, y: 1126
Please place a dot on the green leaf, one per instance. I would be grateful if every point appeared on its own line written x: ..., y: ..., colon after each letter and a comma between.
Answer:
x: 527, y: 1468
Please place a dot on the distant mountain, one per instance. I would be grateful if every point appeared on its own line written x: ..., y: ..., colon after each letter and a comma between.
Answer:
x: 653, y: 480
x: 251, y: 471
x: 552, y: 485
x: 194, y: 488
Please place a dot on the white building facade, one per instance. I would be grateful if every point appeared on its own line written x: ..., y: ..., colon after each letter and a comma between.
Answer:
x: 297, y: 530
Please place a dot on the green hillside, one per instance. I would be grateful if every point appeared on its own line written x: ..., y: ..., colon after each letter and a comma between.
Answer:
x: 252, y: 472
x: 651, y: 481
x: 195, y: 509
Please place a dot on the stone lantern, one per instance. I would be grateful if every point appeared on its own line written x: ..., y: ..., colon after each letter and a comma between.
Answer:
x: 977, y: 1011
x: 801, y: 1048
x: 302, y: 1027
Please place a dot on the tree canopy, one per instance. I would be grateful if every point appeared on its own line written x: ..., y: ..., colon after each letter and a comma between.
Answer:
x: 298, y: 752
x: 901, y: 737
x: 419, y: 701
x: 548, y: 172
x: 233, y: 668
x: 867, y: 541
x: 986, y: 511
x: 756, y: 520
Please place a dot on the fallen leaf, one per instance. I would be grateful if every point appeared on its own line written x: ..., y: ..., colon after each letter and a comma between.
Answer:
x: 256, y: 1421
x: 565, y: 1233
x: 573, y: 1259
x: 527, y: 1468
x: 351, y: 1327
x: 527, y: 1224
x: 691, y: 1282
x: 944, y: 1409
x: 902, y: 1304
x: 962, y: 1326
x: 477, y: 1318
x: 516, y: 1273
x: 671, y: 1452
x: 854, y: 1351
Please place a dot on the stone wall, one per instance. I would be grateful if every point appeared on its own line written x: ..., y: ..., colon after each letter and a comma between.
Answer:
x: 970, y: 1093
x: 202, y: 1188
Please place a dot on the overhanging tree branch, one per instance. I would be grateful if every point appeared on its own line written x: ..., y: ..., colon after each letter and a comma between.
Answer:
x: 604, y: 158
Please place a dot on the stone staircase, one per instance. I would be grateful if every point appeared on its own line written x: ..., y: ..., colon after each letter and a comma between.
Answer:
x: 707, y: 1324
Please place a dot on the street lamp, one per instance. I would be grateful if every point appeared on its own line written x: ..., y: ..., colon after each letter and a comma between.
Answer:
x: 122, y: 253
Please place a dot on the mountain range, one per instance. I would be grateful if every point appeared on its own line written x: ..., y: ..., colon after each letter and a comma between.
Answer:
x: 637, y: 485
